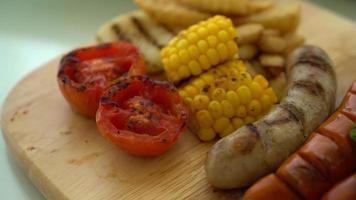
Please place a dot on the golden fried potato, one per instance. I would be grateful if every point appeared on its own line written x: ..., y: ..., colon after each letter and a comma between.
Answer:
x: 272, y: 44
x: 255, y: 6
x: 247, y: 51
x: 293, y: 41
x: 272, y: 60
x: 226, y: 7
x: 270, y: 32
x: 248, y: 33
x: 283, y: 17
x: 171, y: 13
x: 279, y: 84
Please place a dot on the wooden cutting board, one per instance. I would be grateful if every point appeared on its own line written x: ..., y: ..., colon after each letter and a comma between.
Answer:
x: 66, y: 157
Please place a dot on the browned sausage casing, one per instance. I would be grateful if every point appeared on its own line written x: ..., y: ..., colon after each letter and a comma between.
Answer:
x: 259, y: 148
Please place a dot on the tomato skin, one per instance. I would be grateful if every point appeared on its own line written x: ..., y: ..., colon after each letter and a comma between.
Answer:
x: 164, y: 129
x: 83, y: 96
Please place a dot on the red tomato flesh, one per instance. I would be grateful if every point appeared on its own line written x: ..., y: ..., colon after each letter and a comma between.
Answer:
x: 142, y: 116
x: 85, y: 73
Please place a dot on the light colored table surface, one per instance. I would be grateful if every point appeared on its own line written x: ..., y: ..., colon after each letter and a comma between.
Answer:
x: 34, y: 31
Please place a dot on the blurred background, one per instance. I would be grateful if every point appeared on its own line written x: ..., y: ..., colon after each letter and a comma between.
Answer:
x: 34, y: 31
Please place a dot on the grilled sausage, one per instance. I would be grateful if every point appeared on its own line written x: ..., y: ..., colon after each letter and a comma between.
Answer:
x: 326, y: 158
x: 259, y: 148
x: 345, y: 190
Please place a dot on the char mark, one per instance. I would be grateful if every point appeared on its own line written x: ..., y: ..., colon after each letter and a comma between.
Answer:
x: 314, y: 88
x: 253, y: 129
x: 119, y: 34
x: 140, y: 27
x: 290, y: 114
x: 316, y: 61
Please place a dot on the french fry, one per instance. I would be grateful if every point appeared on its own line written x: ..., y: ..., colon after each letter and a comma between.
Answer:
x: 272, y: 60
x: 293, y: 41
x: 284, y: 18
x: 248, y: 33
x: 227, y: 7
x: 272, y: 44
x: 258, y: 6
x: 247, y: 51
x: 171, y: 13
x: 271, y: 32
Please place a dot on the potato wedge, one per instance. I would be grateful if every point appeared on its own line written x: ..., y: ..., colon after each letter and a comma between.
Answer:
x: 293, y: 41
x: 272, y: 60
x: 171, y: 13
x: 248, y: 33
x: 284, y: 18
x: 272, y: 44
x: 255, y: 6
x: 247, y: 51
x: 226, y: 7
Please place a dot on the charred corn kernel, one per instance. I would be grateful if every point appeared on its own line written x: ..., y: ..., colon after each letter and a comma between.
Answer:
x: 206, y: 134
x: 241, y: 111
x: 227, y: 108
x: 227, y: 131
x: 266, y: 102
x: 200, y: 101
x: 218, y: 94
x: 272, y: 95
x: 191, y: 91
x: 244, y: 94
x: 254, y: 108
x: 233, y: 98
x: 204, y: 119
x: 220, y: 124
x: 214, y: 100
x: 215, y: 109
x: 261, y: 80
x: 256, y: 89
x: 199, y: 47
x: 237, y: 122
x: 249, y: 119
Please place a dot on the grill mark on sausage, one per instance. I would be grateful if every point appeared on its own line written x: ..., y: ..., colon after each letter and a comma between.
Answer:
x: 247, y: 143
x: 253, y: 129
x: 119, y: 34
x: 314, y: 88
x: 139, y: 26
x: 315, y: 61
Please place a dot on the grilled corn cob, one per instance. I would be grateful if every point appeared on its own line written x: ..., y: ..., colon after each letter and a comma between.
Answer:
x: 201, y: 46
x: 224, y: 98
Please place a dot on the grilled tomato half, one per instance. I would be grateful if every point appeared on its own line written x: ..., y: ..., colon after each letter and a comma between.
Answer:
x: 86, y: 72
x: 142, y: 116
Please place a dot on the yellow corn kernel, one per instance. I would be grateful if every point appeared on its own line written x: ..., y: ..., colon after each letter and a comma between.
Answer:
x: 223, y: 51
x: 182, y: 44
x: 227, y: 131
x: 213, y: 56
x: 246, y: 78
x: 233, y: 98
x: 188, y: 102
x: 184, y: 56
x: 220, y: 124
x: 272, y: 95
x: 183, y: 93
x: 266, y: 102
x: 232, y: 48
x: 212, y: 28
x: 212, y: 41
x: 206, y: 134
x: 228, y: 110
x: 200, y: 101
x: 193, y: 52
x: 261, y: 80
x: 190, y: 90
x: 204, y: 119
x: 254, y: 108
x: 202, y: 46
x: 244, y: 94
x: 237, y: 122
x: 174, y: 62
x: 198, y: 83
x: 208, y: 78
x: 215, y: 109
x: 192, y: 38
x: 204, y: 62
x: 256, y: 89
x: 218, y: 94
x: 202, y: 32
x: 183, y: 71
x: 241, y: 111
x: 194, y: 67
x: 249, y: 119
x: 223, y: 36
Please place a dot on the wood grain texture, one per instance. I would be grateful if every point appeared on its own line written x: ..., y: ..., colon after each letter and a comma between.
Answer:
x: 66, y: 157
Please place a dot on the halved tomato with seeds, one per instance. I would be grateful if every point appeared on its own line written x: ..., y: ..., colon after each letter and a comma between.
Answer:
x: 86, y: 72
x: 142, y: 116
